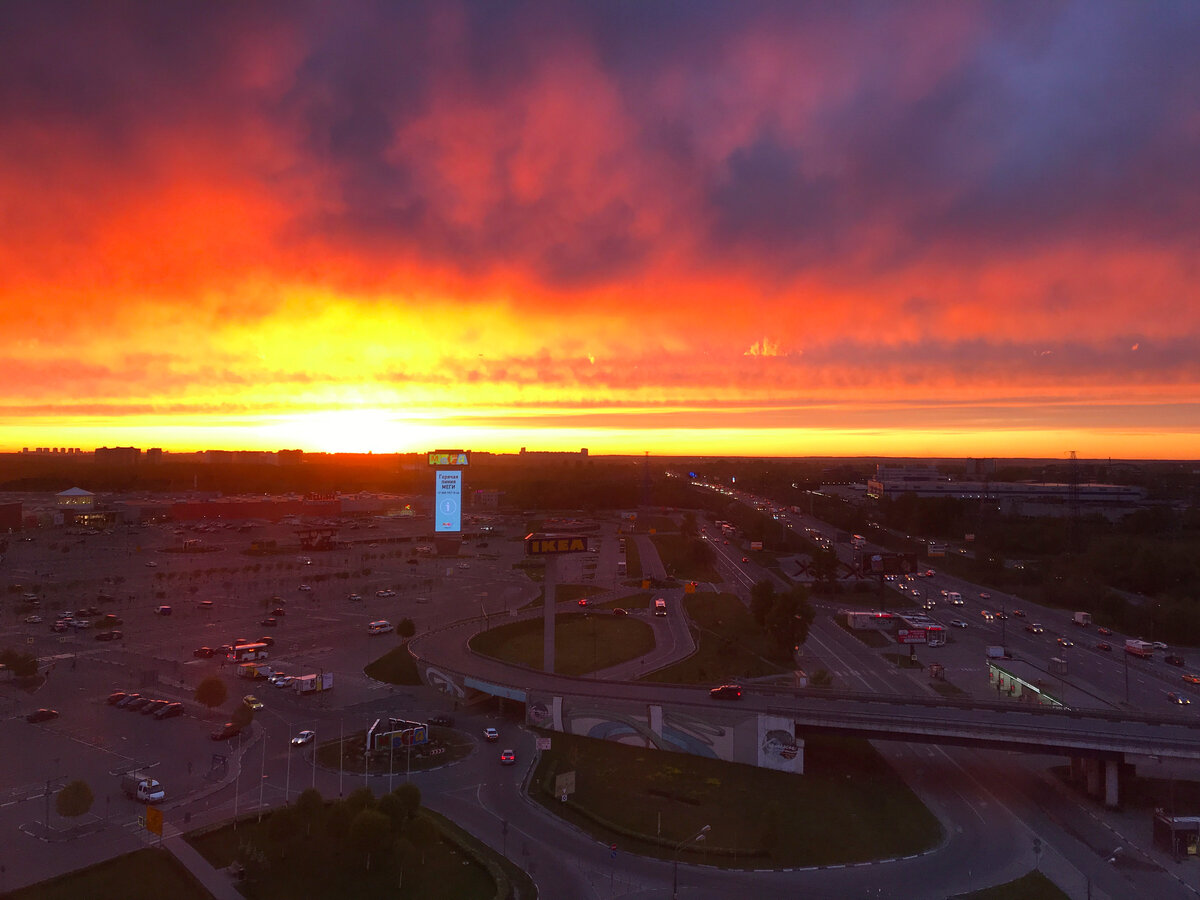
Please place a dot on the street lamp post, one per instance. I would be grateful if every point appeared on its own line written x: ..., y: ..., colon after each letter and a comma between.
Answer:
x: 694, y: 839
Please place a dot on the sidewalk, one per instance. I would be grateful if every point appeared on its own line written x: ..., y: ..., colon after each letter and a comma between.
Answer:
x: 216, y: 881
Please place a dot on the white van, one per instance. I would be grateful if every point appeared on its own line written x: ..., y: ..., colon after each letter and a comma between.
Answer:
x: 381, y: 627
x: 660, y: 607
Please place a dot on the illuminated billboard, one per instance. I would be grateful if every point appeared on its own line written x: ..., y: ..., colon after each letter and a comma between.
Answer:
x: 448, y: 458
x: 448, y: 500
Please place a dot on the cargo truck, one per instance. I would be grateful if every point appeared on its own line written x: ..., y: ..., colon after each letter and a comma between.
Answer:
x: 1082, y: 619
x: 140, y: 786
x: 254, y: 670
x: 311, y: 684
x: 996, y: 652
x: 1144, y: 649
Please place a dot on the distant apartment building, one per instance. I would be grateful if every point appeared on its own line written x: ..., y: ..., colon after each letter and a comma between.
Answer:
x: 1016, y: 497
x: 117, y: 456
x: 486, y: 499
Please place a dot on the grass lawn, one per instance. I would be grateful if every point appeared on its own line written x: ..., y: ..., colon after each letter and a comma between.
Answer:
x: 673, y: 550
x: 730, y: 644
x: 314, y: 866
x: 582, y: 643
x: 149, y: 874
x: 633, y: 561
x: 394, y: 667
x: 844, y: 809
x: 563, y: 592
x: 630, y: 602
x: 1033, y: 886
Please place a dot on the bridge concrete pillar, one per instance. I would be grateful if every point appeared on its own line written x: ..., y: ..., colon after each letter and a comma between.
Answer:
x: 654, y: 720
x: 1077, y: 773
x: 1092, y: 769
x: 1112, y: 779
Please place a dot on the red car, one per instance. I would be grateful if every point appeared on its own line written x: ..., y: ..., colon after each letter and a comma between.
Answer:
x: 726, y: 692
x: 582, y: 601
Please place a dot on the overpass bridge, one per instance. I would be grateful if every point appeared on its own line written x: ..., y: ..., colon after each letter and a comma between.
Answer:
x: 761, y: 729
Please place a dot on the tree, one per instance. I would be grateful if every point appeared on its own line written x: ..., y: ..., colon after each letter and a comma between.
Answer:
x: 211, y: 692
x: 309, y: 806
x: 371, y: 832
x: 242, y: 715
x: 789, y: 620
x: 405, y: 628
x: 409, y: 796
x: 762, y: 598
x: 74, y: 799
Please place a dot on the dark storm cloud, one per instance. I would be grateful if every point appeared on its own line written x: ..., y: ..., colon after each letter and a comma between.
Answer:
x: 1018, y: 125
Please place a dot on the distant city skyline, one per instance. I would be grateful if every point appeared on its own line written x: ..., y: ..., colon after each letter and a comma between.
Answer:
x: 920, y: 229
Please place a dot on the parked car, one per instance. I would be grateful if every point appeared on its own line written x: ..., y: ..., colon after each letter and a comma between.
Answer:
x: 60, y: 625
x: 278, y: 611
x: 958, y: 623
x: 115, y: 697
x: 128, y: 699
x: 385, y: 592
x: 169, y: 711
x: 42, y: 715
x: 282, y: 681
x: 204, y: 652
x: 269, y: 622
x: 35, y: 619
x: 226, y: 731
x: 137, y: 704
x: 443, y: 720
x: 113, y: 635
x: 304, y: 737
x: 508, y: 757
x: 355, y: 597
x: 726, y: 692
x: 306, y: 587
x: 491, y: 734
x: 154, y: 706
x: 206, y: 604
x: 266, y: 639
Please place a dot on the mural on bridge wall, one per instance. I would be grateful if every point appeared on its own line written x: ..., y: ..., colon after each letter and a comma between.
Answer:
x: 777, y: 745
x: 634, y: 724
x: 723, y: 733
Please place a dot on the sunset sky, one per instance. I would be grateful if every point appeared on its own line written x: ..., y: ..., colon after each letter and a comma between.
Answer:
x: 945, y: 228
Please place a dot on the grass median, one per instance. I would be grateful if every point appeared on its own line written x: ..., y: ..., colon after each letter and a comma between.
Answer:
x: 582, y: 643
x: 729, y: 644
x: 848, y: 807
